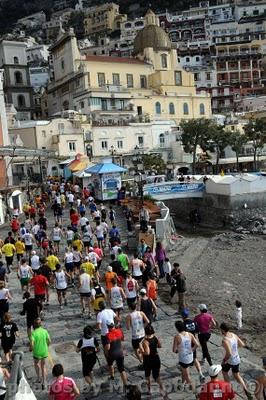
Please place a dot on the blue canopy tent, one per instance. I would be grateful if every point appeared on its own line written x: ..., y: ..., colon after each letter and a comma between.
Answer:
x: 106, y: 178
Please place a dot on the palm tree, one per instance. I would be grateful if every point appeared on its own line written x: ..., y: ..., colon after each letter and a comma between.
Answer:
x: 237, y: 140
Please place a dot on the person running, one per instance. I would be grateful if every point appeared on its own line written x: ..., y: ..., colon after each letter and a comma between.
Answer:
x: 184, y: 344
x: 20, y: 248
x: 151, y: 361
x: 9, y: 333
x: 62, y: 388
x: 4, y: 377
x: 24, y: 274
x: 179, y: 286
x: 84, y: 288
x: 31, y: 308
x: 69, y: 264
x: 9, y: 250
x: 61, y: 284
x: 131, y: 289
x: 56, y: 236
x: 99, y: 232
x: 216, y: 388
x: 117, y: 296
x: 114, y: 351
x: 34, y: 261
x: 40, y: 284
x: 97, y: 296
x: 108, y: 277
x: 124, y: 260
x: 205, y: 323
x: 88, y: 346
x: 147, y: 305
x: 231, y: 342
x: 69, y: 236
x: 39, y: 345
x: 137, y: 266
x: 5, y: 296
x: 28, y: 240
x: 191, y: 327
x: 103, y: 317
x: 77, y: 257
x: 136, y: 321
x: 260, y: 392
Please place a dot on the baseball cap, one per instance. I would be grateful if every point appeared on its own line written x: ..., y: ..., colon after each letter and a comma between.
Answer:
x: 109, y: 268
x: 185, y: 312
x: 143, y: 291
x: 214, y: 370
x: 203, y: 307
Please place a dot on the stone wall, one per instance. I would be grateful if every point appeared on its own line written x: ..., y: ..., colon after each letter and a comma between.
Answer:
x: 219, y: 211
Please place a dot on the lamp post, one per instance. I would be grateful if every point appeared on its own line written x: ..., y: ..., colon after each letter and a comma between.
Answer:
x: 113, y: 153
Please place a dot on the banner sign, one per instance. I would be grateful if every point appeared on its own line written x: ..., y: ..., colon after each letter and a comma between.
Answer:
x: 182, y: 189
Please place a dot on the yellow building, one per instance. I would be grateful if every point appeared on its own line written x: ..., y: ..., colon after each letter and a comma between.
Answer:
x: 114, y: 90
x: 103, y: 19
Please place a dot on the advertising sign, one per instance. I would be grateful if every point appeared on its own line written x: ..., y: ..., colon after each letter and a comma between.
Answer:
x: 110, y: 183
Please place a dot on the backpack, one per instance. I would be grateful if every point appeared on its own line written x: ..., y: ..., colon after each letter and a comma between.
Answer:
x: 152, y: 290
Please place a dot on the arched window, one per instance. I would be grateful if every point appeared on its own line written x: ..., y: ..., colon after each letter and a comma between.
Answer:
x: 158, y: 107
x: 202, y: 109
x: 15, y: 60
x: 66, y: 105
x: 171, y: 108
x: 164, y: 60
x: 21, y: 100
x: 162, y: 140
x: 185, y: 109
x: 18, y: 77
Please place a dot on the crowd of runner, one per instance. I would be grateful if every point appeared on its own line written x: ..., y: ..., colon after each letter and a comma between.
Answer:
x: 116, y: 291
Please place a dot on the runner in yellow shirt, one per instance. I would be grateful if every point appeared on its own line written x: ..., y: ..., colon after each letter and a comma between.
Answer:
x: 88, y: 267
x: 78, y: 243
x: 9, y: 250
x: 52, y: 261
x: 20, y: 248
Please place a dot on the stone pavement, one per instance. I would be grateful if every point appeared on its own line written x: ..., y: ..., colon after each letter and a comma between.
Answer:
x: 66, y: 325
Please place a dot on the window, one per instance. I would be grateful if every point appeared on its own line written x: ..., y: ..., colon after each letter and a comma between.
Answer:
x: 72, y: 146
x: 77, y: 82
x: 202, y: 109
x: 82, y: 105
x: 158, y: 107
x: 187, y: 59
x: 197, y: 59
x: 208, y: 76
x: 162, y: 140
x: 178, y: 78
x: 44, y: 134
x: 21, y: 100
x: 116, y: 79
x: 16, y: 60
x: 143, y: 81
x: 140, y: 141
x: 104, y: 145
x: 164, y: 60
x: 120, y: 144
x: 185, y: 109
x: 196, y: 77
x: 171, y: 108
x: 130, y: 83
x: 18, y: 77
x: 101, y: 79
x: 62, y: 65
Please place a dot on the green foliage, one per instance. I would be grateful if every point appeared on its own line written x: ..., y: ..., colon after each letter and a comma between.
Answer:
x: 153, y: 162
x: 237, y: 140
x: 255, y: 131
x: 196, y: 132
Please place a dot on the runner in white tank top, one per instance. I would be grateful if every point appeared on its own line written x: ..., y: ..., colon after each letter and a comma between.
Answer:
x: 61, y: 284
x: 137, y: 267
x: 85, y: 291
x: 131, y: 287
x: 117, y: 296
x: 234, y: 359
x: 137, y: 325
x: 184, y: 344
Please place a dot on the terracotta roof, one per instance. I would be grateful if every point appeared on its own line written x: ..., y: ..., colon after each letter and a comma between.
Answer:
x: 110, y: 59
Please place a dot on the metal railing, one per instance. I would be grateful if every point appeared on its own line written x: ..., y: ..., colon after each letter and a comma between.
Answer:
x: 15, y: 376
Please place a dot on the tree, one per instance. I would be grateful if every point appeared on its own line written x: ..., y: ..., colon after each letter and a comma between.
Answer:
x: 218, y: 141
x: 196, y: 132
x: 237, y: 140
x: 153, y: 162
x: 255, y: 131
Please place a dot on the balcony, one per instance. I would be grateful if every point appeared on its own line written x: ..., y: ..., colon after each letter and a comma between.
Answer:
x: 109, y: 89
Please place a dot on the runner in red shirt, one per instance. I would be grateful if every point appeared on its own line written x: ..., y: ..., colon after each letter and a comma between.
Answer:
x: 74, y: 218
x: 40, y: 284
x: 216, y: 389
x: 62, y: 388
x: 14, y: 225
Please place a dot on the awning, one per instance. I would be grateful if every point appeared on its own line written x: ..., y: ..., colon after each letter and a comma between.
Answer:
x: 232, y: 160
x: 105, y: 168
x: 16, y: 193
x: 68, y: 161
x: 81, y: 174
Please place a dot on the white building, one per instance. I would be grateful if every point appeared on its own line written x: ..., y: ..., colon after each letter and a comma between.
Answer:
x: 37, y: 53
